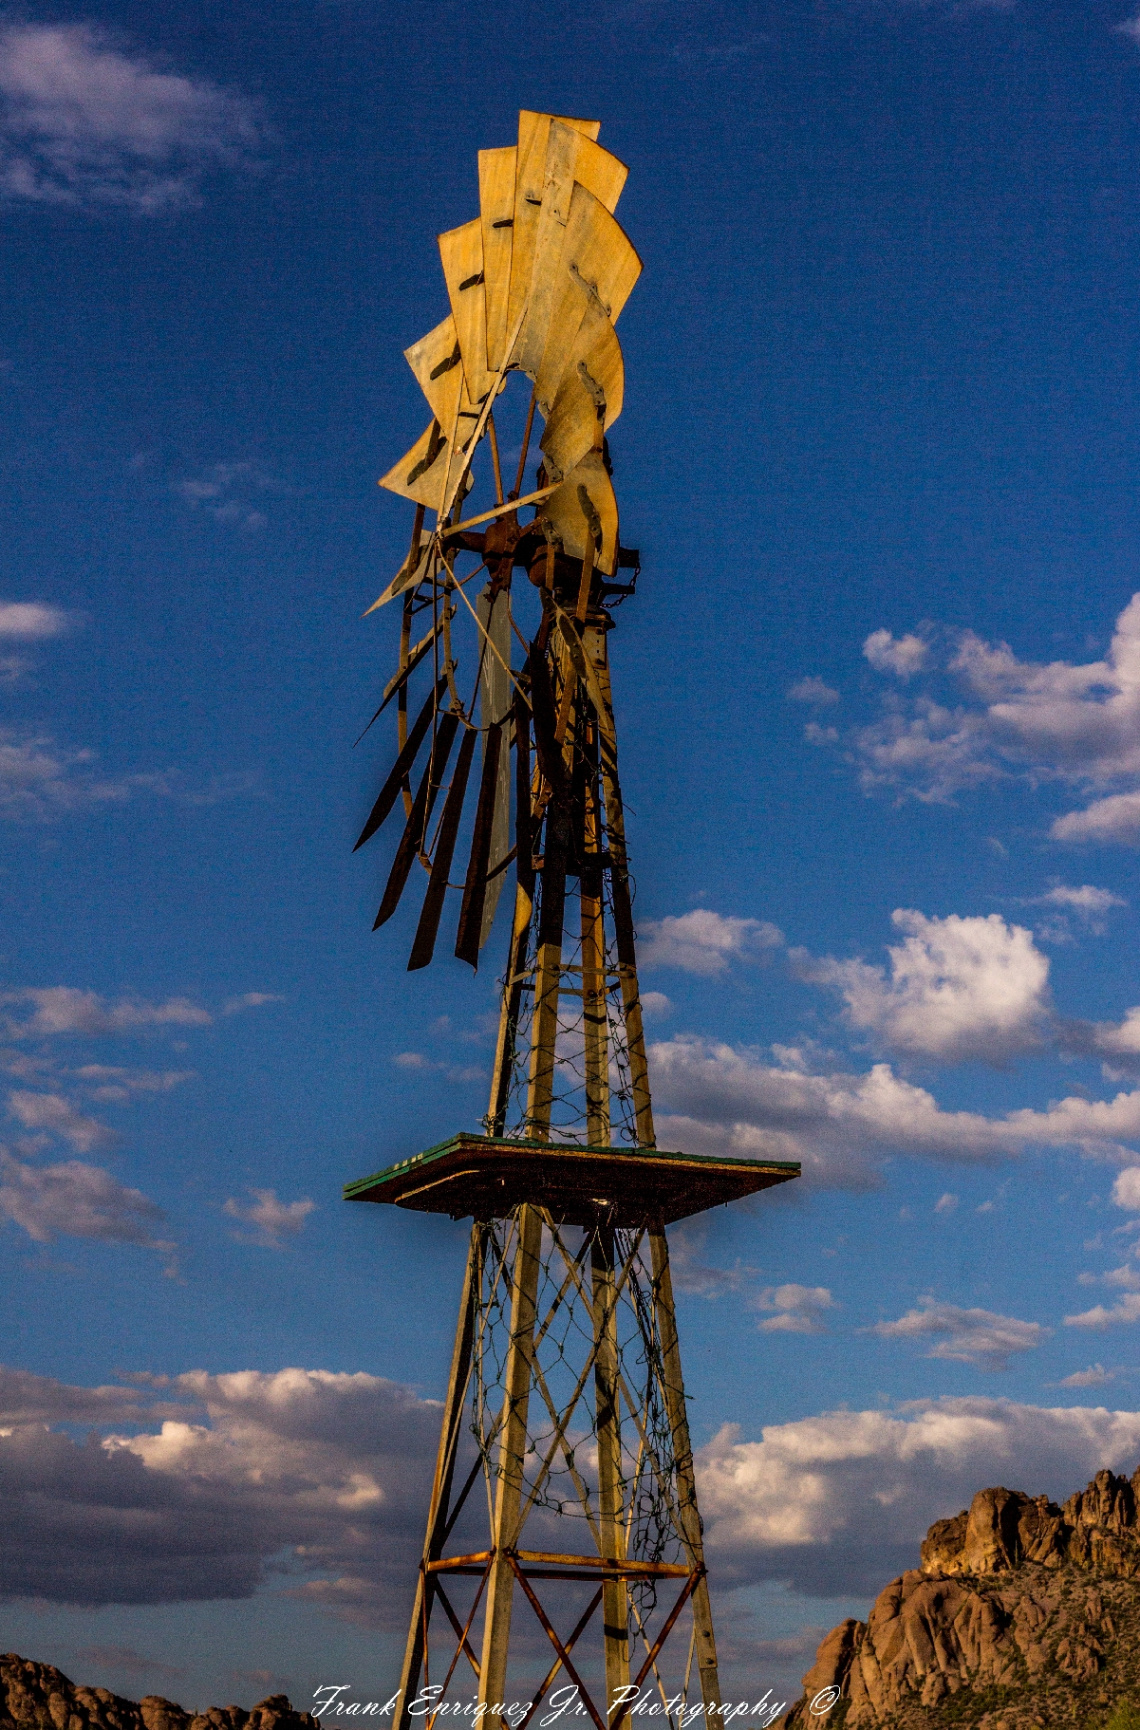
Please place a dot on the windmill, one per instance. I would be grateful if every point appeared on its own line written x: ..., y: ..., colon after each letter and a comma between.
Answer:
x: 564, y: 1479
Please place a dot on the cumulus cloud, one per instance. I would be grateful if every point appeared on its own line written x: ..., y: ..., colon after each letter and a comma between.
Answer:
x: 76, y: 1200
x: 1126, y: 1189
x: 968, y: 1336
x: 1126, y: 1309
x: 1094, y: 1377
x: 52, y: 1113
x: 1068, y: 722
x: 85, y: 124
x: 840, y: 1502
x: 705, y: 943
x: 25, y: 621
x: 1086, y: 901
x: 238, y: 1478
x: 65, y: 1009
x: 799, y: 1308
x: 269, y: 1221
x: 235, y: 1479
x: 959, y: 987
x: 840, y: 1124
x: 902, y: 656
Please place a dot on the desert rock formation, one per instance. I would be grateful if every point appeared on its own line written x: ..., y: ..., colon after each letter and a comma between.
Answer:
x: 1022, y: 1614
x: 40, y: 1697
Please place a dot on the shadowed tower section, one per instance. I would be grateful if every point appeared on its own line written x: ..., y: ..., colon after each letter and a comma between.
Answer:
x: 563, y: 1545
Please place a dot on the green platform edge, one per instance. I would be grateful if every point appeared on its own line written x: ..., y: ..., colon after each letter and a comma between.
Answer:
x: 356, y: 1190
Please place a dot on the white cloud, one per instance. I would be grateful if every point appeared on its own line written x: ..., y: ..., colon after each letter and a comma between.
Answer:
x: 1116, y: 818
x: 76, y: 1200
x: 959, y: 987
x: 902, y: 656
x: 656, y: 1003
x: 840, y: 1124
x: 704, y: 942
x: 84, y: 124
x: 1087, y: 902
x: 250, y: 1000
x: 61, y: 1009
x: 813, y: 690
x: 1126, y: 1309
x: 799, y: 1308
x: 56, y: 1115
x: 26, y: 620
x: 947, y: 1203
x: 237, y: 1478
x: 41, y: 781
x: 1130, y: 27
x: 112, y: 1085
x: 968, y: 1336
x: 1094, y: 1377
x: 221, y: 493
x: 1076, y: 723
x: 270, y: 1220
x: 840, y: 1502
x: 1126, y: 1189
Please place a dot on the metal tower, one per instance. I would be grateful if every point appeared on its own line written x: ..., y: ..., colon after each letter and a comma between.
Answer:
x: 563, y: 1516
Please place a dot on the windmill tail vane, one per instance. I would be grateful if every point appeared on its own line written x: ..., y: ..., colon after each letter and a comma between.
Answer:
x: 565, y: 1411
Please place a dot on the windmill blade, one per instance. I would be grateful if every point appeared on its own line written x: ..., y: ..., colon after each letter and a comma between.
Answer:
x: 422, y: 474
x: 406, y: 577
x: 534, y: 135
x: 497, y: 214
x: 594, y: 368
x: 496, y: 696
x: 418, y: 818
x: 469, y: 939
x: 400, y: 768
x: 571, y: 159
x: 423, y: 946
x: 461, y: 251
x: 585, y: 504
x: 547, y: 748
x: 599, y: 266
x: 437, y: 361
x: 400, y: 678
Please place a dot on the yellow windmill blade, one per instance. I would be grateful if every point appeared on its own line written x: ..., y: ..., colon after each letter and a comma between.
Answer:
x: 589, y: 396
x: 461, y: 251
x: 530, y: 178
x: 597, y: 263
x: 437, y: 361
x: 422, y: 474
x: 497, y: 169
x: 571, y: 160
x: 585, y: 505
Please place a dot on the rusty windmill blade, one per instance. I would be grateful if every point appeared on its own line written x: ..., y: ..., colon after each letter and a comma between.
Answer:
x: 467, y: 942
x: 423, y: 946
x: 400, y: 678
x: 391, y: 788
x: 418, y: 818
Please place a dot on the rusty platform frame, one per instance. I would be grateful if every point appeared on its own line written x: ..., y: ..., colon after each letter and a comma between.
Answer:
x: 486, y: 1176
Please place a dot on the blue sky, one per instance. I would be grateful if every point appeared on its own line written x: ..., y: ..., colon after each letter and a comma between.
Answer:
x: 879, y: 704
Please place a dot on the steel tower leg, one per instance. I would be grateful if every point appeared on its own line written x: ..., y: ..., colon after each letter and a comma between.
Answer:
x: 512, y: 1451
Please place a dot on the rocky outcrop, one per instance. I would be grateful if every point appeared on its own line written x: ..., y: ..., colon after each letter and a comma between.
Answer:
x: 40, y: 1697
x: 1023, y: 1614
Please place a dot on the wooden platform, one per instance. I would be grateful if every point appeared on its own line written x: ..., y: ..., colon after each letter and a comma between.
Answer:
x: 484, y: 1177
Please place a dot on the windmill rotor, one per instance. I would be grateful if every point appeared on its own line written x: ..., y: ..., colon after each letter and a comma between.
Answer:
x: 535, y: 284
